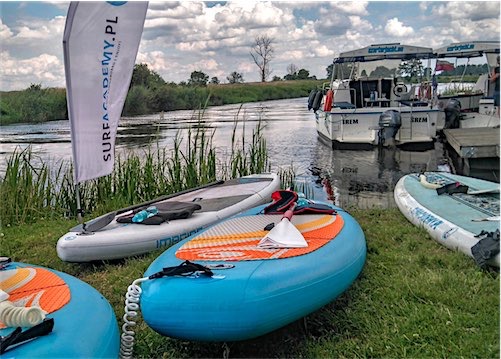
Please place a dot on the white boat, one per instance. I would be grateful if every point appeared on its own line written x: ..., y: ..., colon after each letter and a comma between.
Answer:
x: 374, y: 110
x: 470, y: 108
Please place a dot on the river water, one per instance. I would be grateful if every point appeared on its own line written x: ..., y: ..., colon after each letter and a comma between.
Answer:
x: 361, y: 178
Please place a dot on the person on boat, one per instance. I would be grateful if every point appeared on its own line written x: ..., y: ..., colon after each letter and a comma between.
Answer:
x: 495, y: 80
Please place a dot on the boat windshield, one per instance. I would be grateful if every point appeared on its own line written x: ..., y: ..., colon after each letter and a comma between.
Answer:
x: 383, y: 68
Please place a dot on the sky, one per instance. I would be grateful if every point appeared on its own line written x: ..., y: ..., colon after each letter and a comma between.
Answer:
x: 216, y: 37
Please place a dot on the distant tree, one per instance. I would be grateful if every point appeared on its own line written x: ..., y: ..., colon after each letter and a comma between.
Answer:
x: 35, y: 87
x: 292, y: 69
x: 303, y: 74
x: 136, y: 102
x: 214, y: 80
x: 198, y: 78
x: 412, y: 68
x: 143, y: 76
x: 235, y: 78
x: 364, y: 73
x: 262, y: 53
x: 276, y: 78
x: 297, y: 75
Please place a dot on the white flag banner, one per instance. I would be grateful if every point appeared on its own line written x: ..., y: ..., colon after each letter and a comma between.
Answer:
x: 100, y: 45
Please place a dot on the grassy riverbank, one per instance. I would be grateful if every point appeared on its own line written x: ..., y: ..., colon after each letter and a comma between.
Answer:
x: 37, y: 104
x: 414, y: 299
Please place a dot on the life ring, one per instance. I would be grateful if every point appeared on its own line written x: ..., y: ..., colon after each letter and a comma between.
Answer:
x: 329, y: 98
x: 400, y: 90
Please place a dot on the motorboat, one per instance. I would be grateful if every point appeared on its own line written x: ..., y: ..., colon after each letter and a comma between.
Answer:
x: 470, y: 107
x: 372, y: 106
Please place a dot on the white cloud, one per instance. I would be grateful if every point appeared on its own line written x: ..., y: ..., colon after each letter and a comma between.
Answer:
x: 205, y: 65
x: 423, y: 5
x: 351, y: 7
x: 323, y: 51
x: 5, y: 32
x: 291, y: 55
x: 473, y: 11
x: 360, y: 25
x: 246, y: 67
x: 396, y: 28
x: 17, y: 74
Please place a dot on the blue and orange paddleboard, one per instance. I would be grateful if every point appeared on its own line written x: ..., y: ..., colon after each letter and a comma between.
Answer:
x: 84, y: 324
x: 253, y: 290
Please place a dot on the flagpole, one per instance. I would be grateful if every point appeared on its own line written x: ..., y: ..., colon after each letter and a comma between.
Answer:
x: 79, y: 204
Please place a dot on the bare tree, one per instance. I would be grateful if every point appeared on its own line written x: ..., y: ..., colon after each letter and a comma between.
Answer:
x: 292, y: 69
x: 262, y: 53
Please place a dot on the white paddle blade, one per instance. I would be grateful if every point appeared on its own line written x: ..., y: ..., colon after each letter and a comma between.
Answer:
x: 283, y: 235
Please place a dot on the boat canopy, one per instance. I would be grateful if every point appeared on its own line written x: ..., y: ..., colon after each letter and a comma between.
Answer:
x: 468, y: 49
x: 394, y: 51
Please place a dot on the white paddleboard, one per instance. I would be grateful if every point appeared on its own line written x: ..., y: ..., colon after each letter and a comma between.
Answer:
x: 120, y: 240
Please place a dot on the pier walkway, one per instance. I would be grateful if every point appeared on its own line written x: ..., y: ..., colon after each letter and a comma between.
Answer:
x: 477, y: 149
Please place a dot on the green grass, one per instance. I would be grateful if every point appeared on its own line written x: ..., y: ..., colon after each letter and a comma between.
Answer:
x: 414, y: 299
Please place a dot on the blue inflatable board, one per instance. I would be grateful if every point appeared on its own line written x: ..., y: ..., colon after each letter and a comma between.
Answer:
x: 84, y: 322
x: 459, y: 212
x: 253, y: 290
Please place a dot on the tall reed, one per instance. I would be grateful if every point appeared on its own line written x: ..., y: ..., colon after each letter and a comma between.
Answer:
x: 247, y: 158
x: 29, y: 192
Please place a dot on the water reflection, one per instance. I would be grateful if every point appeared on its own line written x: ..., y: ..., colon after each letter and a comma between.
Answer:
x: 366, y: 178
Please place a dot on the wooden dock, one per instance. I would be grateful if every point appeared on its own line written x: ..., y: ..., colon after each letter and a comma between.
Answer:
x: 477, y: 150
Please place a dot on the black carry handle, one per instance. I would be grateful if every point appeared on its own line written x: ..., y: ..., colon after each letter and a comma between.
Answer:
x: 18, y: 336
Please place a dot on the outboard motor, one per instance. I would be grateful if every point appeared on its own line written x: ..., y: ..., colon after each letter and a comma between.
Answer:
x: 389, y: 124
x: 452, y: 113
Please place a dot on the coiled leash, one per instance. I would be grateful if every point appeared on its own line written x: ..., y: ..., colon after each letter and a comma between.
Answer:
x: 32, y: 318
x: 132, y: 297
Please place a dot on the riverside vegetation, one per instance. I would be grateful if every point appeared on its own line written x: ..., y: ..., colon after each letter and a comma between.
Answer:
x: 414, y: 298
x: 37, y: 104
